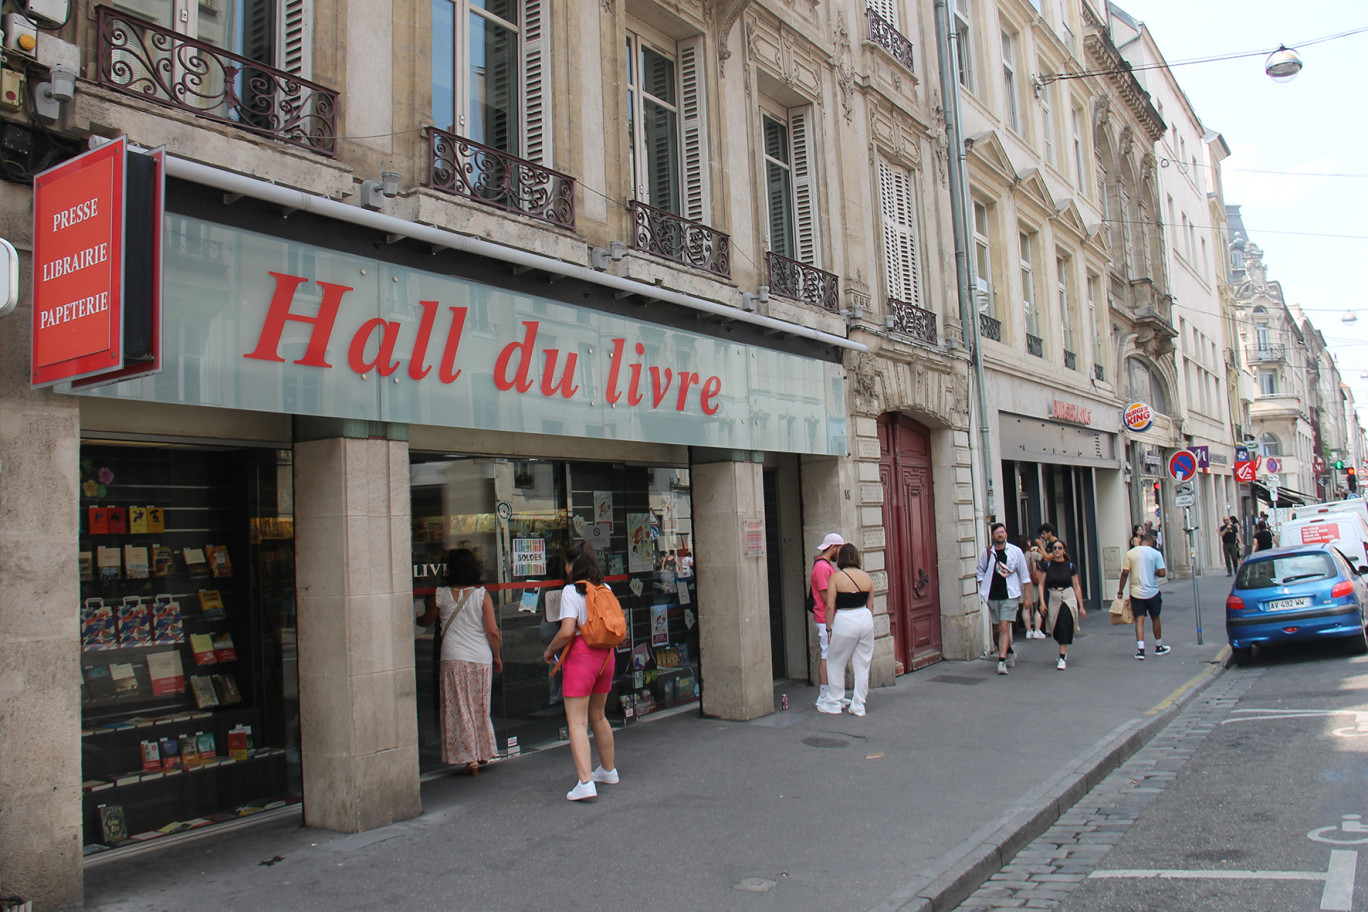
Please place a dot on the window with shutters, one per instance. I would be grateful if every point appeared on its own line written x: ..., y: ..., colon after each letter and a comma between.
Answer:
x: 273, y: 33
x: 1009, y: 82
x: 1098, y: 329
x: 789, y: 184
x: 1064, y: 297
x: 965, y: 40
x: 1026, y: 250
x: 666, y: 124
x: 1080, y: 152
x: 983, y: 261
x: 1047, y: 132
x: 491, y: 74
x: 898, y: 202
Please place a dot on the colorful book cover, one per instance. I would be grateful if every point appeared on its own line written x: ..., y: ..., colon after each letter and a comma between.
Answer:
x: 223, y: 647
x: 125, y: 680
x: 205, y: 742
x: 195, y: 562
x: 205, y: 695
x: 118, y: 521
x: 99, y: 686
x: 97, y: 625
x: 237, y: 744
x: 85, y: 561
x: 219, y: 564
x: 134, y: 627
x: 137, y: 520
x: 167, y: 625
x: 97, y: 520
x: 189, y: 753
x: 109, y: 559
x: 166, y: 672
x: 211, y: 604
x: 225, y: 686
x: 113, y: 825
x: 163, y: 561
x: 202, y: 645
x: 170, y: 753
x: 156, y: 520
x: 135, y: 562
x: 151, y: 756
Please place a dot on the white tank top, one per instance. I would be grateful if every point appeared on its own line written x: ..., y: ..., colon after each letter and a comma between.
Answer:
x: 465, y: 638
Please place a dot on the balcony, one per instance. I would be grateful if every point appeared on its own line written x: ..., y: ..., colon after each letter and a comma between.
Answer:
x: 882, y: 33
x: 912, y: 320
x: 1266, y: 353
x: 463, y: 167
x: 990, y: 328
x: 144, y: 60
x: 802, y: 282
x: 677, y: 238
x: 1070, y: 360
x: 1035, y: 346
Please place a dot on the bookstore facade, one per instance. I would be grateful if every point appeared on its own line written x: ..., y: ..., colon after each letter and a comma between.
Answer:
x: 261, y: 520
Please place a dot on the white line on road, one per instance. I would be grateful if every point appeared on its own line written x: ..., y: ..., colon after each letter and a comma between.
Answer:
x: 1338, y: 895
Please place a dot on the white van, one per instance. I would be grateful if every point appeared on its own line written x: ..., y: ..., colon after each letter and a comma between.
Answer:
x: 1347, y: 531
x: 1357, y: 505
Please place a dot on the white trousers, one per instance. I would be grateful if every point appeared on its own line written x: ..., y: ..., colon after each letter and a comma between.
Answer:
x: 852, y: 642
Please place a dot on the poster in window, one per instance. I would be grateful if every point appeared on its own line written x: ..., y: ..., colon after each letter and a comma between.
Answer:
x: 529, y: 557
x: 603, y: 507
x: 640, y: 543
x: 660, y: 634
x: 599, y: 535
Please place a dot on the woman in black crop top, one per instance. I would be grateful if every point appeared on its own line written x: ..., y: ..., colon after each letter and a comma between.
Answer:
x: 849, y: 598
x: 1062, y: 590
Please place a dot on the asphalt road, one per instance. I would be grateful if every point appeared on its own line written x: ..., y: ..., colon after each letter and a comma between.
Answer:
x: 1252, y: 799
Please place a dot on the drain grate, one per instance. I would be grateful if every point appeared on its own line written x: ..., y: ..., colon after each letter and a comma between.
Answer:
x: 958, y: 679
x: 819, y: 741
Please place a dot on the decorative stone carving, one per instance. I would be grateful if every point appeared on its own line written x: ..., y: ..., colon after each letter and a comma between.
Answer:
x: 845, y: 67
x: 864, y: 383
x: 940, y: 142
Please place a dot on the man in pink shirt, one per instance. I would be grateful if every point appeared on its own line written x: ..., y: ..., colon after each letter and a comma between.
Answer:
x: 830, y: 696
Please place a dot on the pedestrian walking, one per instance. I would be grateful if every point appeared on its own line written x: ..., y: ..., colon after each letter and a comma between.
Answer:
x: 1137, y: 533
x: 1263, y: 538
x: 469, y: 643
x: 849, y: 605
x: 822, y: 569
x: 587, y: 675
x: 1143, y: 566
x: 1063, y: 595
x: 1001, y: 573
x: 1230, y: 544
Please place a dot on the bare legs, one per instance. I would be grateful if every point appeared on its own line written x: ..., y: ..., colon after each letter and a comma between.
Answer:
x: 582, y: 714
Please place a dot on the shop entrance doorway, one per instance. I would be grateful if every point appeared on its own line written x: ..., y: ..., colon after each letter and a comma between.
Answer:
x: 910, y: 550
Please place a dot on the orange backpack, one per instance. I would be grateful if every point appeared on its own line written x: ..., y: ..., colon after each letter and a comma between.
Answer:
x: 605, y: 626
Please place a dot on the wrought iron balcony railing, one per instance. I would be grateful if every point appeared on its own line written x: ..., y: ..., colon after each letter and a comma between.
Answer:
x: 1267, y: 353
x: 463, y: 167
x: 677, y: 238
x: 1070, y: 360
x: 990, y: 327
x: 146, y: 61
x: 1035, y: 346
x: 802, y: 282
x: 913, y: 320
x: 882, y: 33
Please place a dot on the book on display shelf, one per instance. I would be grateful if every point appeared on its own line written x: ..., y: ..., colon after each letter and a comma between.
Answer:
x: 125, y: 679
x: 96, y: 785
x: 118, y: 521
x: 189, y: 753
x: 166, y: 672
x: 109, y: 560
x: 97, y: 521
x: 219, y: 564
x: 98, y: 629
x: 225, y: 687
x: 211, y: 605
x: 239, y: 742
x: 156, y: 520
x: 204, y: 741
x: 135, y: 562
x: 195, y: 562
x: 135, y: 628
x: 163, y: 561
x: 99, y: 685
x: 223, y: 647
x: 85, y: 562
x: 170, y: 753
x: 167, y: 626
x: 202, y: 645
x: 137, y: 520
x: 151, y: 756
x: 113, y: 824
x: 203, y: 688
x: 128, y: 779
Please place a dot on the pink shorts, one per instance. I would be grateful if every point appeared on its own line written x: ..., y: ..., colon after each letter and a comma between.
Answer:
x: 586, y: 670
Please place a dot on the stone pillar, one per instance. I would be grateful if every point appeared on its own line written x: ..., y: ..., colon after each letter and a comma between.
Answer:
x: 40, y: 597
x: 357, y: 704
x: 733, y: 591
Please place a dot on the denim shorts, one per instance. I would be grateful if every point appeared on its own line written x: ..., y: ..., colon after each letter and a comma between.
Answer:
x: 1004, y: 609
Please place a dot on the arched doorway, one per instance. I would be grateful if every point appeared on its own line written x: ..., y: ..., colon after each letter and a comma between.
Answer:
x: 909, y: 519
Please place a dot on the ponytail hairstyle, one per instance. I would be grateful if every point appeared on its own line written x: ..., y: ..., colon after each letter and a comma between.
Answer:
x: 584, y: 565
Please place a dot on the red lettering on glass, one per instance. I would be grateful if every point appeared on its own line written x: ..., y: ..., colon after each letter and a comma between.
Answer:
x: 686, y: 378
x: 548, y: 384
x: 447, y: 375
x: 614, y: 366
x: 417, y: 368
x: 708, y: 399
x: 271, y: 329
x: 658, y: 389
x: 383, y: 362
x: 523, y: 350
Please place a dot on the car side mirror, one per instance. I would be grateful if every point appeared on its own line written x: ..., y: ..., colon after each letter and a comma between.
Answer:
x: 1362, y: 570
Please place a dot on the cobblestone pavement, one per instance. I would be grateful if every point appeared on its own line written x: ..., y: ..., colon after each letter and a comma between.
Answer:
x: 1050, y: 868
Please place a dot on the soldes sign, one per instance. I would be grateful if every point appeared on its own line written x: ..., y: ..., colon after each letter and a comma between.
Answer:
x: 96, y: 267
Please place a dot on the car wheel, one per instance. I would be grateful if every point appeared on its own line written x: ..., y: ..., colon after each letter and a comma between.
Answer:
x: 1358, y: 645
x: 1243, y: 655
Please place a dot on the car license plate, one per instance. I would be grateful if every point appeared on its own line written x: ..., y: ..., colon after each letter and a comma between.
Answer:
x: 1288, y: 603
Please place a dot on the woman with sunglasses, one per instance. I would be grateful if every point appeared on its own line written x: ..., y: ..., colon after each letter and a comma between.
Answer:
x: 1059, y: 577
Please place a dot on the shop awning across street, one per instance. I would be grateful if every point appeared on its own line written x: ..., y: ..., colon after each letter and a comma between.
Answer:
x: 1286, y: 496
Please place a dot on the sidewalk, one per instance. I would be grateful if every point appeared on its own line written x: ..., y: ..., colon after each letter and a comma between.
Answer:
x: 906, y: 809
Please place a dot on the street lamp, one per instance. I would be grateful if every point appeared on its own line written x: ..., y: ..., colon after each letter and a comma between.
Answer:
x: 1283, y: 65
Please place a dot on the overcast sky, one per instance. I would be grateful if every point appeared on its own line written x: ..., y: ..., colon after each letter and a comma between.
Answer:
x: 1311, y: 226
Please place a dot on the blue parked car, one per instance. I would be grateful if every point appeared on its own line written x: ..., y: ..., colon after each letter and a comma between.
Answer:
x: 1307, y: 592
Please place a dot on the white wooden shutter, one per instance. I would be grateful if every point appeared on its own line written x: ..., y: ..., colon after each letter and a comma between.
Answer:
x: 885, y: 8
x: 694, y: 130
x: 804, y: 185
x: 294, y: 31
x: 537, y: 82
x: 900, y: 236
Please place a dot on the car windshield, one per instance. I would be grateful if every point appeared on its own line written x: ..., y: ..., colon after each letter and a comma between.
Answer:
x: 1290, y: 568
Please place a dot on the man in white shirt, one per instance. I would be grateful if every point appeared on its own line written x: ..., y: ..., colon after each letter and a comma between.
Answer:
x: 1144, y: 565
x: 1001, y: 572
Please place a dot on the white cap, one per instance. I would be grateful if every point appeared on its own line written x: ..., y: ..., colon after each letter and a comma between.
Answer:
x: 833, y: 538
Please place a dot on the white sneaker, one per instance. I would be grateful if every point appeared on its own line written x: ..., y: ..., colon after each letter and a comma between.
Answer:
x: 846, y: 701
x: 857, y: 712
x: 1011, y: 659
x: 829, y: 708
x: 1060, y: 664
x: 1002, y: 667
x: 608, y: 776
x: 582, y: 790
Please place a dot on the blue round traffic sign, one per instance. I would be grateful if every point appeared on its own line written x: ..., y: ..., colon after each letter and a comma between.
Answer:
x: 1182, y: 465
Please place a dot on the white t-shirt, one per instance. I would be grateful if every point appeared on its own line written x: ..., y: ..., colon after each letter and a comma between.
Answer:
x: 574, y: 606
x: 465, y: 639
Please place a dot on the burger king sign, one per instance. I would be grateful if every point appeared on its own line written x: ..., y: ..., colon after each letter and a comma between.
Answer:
x: 1138, y: 417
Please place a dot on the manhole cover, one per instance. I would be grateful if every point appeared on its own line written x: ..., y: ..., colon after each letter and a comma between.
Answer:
x: 958, y: 679
x: 819, y: 741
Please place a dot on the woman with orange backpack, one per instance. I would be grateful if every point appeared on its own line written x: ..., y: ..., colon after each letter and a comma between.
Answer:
x: 588, y: 672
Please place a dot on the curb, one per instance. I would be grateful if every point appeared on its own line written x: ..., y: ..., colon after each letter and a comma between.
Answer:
x: 953, y: 877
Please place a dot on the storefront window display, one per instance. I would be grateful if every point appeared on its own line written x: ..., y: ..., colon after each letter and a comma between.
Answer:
x: 518, y: 516
x: 189, y: 691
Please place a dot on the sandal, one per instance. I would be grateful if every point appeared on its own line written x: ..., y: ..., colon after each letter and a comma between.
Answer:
x: 470, y: 769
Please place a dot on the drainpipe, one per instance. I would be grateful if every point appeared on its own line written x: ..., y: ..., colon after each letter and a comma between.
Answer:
x: 985, y: 509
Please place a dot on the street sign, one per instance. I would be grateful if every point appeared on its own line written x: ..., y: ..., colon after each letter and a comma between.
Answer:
x: 1182, y: 465
x: 1184, y: 487
x: 1244, y: 472
x: 1203, y: 456
x: 1272, y: 465
x: 1318, y: 464
x: 1184, y: 500
x: 1242, y: 454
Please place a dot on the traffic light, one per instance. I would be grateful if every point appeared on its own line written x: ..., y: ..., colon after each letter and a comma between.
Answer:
x: 1339, y: 464
x: 1353, y: 479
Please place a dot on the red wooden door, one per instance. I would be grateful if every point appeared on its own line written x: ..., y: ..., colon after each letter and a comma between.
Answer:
x: 910, y: 550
